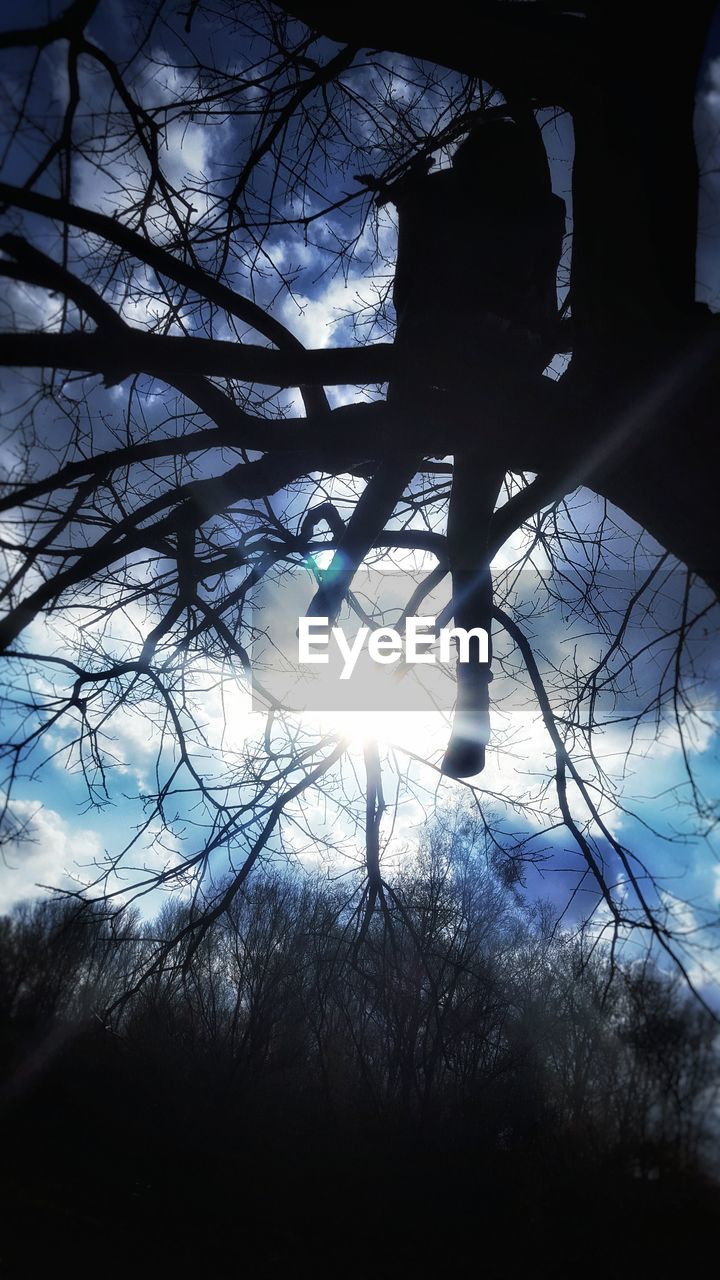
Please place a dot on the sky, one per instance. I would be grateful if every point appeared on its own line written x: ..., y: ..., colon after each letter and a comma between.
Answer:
x: 65, y: 834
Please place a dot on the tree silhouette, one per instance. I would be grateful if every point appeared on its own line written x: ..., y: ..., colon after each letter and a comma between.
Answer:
x: 182, y: 186
x: 471, y: 1039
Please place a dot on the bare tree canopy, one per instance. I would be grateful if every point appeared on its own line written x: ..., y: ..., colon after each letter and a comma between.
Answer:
x: 314, y: 290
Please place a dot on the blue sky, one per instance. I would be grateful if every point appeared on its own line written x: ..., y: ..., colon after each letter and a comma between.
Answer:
x: 321, y: 306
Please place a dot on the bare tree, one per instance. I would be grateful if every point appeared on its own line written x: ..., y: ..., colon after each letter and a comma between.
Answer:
x: 180, y: 184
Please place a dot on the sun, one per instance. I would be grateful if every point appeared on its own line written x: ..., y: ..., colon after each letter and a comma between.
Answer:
x: 416, y: 732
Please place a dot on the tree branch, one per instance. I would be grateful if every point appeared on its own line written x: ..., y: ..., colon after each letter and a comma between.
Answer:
x: 184, y: 274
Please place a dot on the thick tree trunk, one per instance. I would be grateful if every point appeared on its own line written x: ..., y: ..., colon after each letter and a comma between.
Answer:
x: 639, y: 423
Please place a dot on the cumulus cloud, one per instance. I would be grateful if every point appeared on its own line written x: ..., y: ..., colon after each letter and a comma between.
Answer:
x: 48, y: 850
x: 324, y: 320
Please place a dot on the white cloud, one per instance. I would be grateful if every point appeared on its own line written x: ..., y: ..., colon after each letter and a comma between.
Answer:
x: 50, y: 851
x: 32, y: 308
x: 320, y: 321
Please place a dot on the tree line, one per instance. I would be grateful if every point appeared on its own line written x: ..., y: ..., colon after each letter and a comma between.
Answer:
x: 458, y: 999
x: 456, y: 1037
